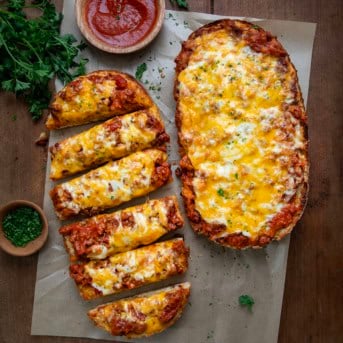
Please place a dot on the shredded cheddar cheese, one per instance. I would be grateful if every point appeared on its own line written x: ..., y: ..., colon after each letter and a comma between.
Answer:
x: 146, y: 264
x: 131, y: 269
x: 143, y: 315
x: 96, y: 96
x: 232, y: 128
x: 113, y: 139
x: 110, y: 185
x: 108, y: 234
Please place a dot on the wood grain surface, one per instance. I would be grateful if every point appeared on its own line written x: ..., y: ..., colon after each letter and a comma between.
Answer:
x: 313, y: 291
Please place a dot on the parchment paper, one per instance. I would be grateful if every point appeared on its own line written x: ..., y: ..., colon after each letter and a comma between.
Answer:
x: 218, y: 275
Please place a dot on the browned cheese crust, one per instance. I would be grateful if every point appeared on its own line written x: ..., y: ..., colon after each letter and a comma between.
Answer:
x: 144, y: 315
x: 294, y: 114
x: 107, y: 234
x: 113, y: 139
x: 112, y: 184
x: 96, y: 96
x: 130, y: 269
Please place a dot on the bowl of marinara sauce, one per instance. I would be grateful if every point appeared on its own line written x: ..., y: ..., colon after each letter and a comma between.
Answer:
x: 120, y: 26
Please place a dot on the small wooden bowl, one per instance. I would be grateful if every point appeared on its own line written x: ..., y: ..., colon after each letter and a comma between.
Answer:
x: 94, y: 40
x: 31, y: 247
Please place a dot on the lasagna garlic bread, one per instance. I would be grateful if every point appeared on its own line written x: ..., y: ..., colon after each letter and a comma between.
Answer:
x: 96, y: 96
x: 243, y: 135
x: 113, y: 139
x: 130, y: 269
x: 144, y: 315
x: 108, y: 234
x: 112, y: 184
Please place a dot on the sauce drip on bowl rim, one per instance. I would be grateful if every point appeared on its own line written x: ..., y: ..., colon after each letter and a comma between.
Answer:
x: 121, y: 23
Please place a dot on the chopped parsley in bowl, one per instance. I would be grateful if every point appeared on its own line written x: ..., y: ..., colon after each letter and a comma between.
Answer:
x: 24, y: 228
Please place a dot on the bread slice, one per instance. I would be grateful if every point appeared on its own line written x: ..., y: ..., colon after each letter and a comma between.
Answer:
x: 143, y: 315
x: 243, y: 135
x: 96, y: 96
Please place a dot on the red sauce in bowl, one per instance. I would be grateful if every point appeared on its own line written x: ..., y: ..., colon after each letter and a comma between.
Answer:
x: 121, y: 23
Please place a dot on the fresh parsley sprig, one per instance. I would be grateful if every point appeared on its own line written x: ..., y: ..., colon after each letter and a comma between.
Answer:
x: 32, y: 52
x: 141, y: 69
x: 180, y: 3
x: 246, y: 300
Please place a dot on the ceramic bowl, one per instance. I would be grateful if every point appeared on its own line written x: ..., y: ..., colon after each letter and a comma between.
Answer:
x: 80, y: 11
x: 31, y: 247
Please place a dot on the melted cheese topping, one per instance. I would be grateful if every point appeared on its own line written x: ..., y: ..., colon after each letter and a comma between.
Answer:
x: 100, y: 144
x: 230, y: 102
x: 86, y: 100
x: 144, y: 265
x: 112, y: 184
x: 150, y: 222
x: 151, y: 305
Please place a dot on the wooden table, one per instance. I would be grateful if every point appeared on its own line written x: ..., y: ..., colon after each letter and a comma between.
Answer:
x: 313, y: 292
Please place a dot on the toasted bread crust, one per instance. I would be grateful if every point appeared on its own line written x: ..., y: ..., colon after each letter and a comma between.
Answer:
x: 284, y: 221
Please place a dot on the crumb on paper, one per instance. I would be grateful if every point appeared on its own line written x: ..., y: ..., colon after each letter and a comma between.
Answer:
x: 42, y: 139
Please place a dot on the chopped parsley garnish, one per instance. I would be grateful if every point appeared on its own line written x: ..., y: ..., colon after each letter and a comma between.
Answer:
x: 140, y: 71
x: 210, y: 334
x: 22, y: 225
x: 246, y: 300
x: 236, y: 176
x: 180, y: 3
x: 221, y: 192
x: 33, y: 52
x: 230, y: 142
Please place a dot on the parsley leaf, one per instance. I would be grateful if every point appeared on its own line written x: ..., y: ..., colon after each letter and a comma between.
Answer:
x: 221, y: 192
x: 180, y: 3
x: 20, y: 85
x: 8, y: 85
x: 32, y: 53
x: 140, y: 71
x: 246, y: 300
x: 16, y: 5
